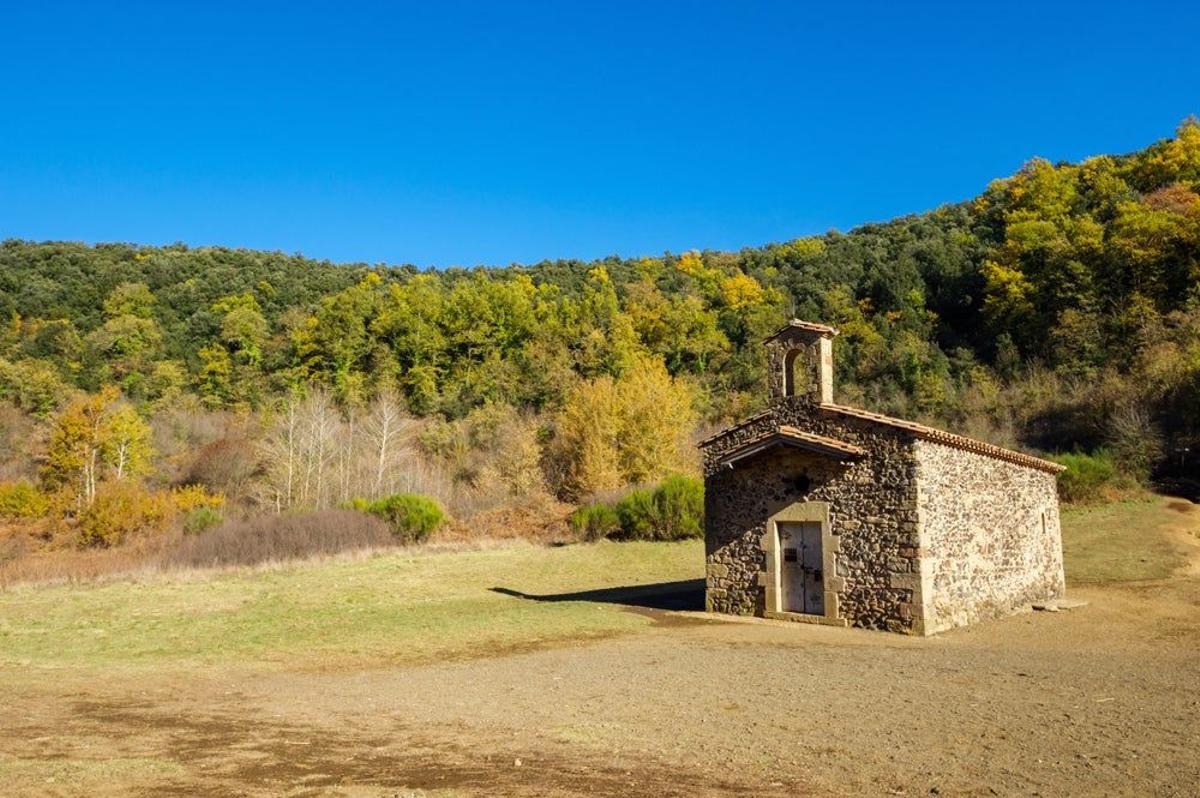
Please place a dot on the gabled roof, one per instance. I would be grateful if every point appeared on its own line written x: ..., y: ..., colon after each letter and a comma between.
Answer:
x: 791, y: 436
x: 796, y: 324
x: 918, y: 430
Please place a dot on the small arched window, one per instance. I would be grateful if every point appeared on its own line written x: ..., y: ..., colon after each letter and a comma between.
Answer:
x: 795, y: 372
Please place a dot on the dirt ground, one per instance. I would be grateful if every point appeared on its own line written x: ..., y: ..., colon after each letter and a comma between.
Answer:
x: 1103, y: 700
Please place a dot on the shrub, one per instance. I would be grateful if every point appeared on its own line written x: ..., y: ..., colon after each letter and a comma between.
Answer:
x: 595, y: 521
x: 201, y: 518
x: 1088, y: 478
x: 20, y: 445
x: 194, y: 497
x: 1135, y: 442
x: 412, y: 517
x: 278, y: 538
x: 120, y: 511
x: 672, y: 511
x: 223, y: 465
x: 22, y: 500
x: 13, y: 548
x: 635, y: 512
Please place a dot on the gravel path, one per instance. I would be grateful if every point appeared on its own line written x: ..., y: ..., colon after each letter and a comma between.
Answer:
x: 1103, y: 700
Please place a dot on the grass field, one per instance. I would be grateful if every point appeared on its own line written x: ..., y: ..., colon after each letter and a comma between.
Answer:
x: 389, y: 608
x: 1129, y: 541
x: 403, y: 607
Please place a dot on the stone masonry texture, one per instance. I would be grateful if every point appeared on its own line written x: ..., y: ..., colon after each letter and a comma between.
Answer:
x: 873, y: 513
x: 990, y: 536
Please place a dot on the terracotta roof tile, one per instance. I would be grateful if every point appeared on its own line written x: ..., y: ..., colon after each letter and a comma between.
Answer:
x: 947, y: 438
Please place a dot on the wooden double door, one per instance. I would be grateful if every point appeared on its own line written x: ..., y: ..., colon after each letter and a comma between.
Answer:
x: 801, y: 568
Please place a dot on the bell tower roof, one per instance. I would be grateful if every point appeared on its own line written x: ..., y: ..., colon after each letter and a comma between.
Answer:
x: 805, y: 326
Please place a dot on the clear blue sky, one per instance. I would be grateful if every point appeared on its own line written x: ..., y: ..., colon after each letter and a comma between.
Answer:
x: 440, y: 133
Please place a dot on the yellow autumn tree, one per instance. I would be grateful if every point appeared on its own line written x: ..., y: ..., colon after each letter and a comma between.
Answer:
x: 741, y: 291
x: 1007, y: 295
x: 633, y: 430
x: 1175, y: 160
x: 707, y: 279
x: 95, y: 437
x: 586, y: 440
x: 656, y: 423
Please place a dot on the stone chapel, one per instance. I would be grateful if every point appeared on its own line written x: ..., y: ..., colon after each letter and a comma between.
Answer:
x: 830, y: 514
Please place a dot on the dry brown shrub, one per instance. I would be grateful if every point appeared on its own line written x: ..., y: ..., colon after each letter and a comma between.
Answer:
x: 490, y: 459
x: 224, y: 465
x: 1176, y: 198
x: 13, y: 547
x: 18, y: 441
x: 72, y: 565
x: 182, y: 430
x: 279, y: 538
x: 537, y: 519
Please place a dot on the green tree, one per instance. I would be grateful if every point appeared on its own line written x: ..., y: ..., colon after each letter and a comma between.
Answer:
x: 126, y: 345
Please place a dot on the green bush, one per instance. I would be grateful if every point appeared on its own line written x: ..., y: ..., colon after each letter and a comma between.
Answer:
x: 201, y: 518
x: 595, y: 521
x: 637, y: 516
x: 22, y: 500
x: 1088, y: 478
x: 411, y: 517
x: 672, y: 511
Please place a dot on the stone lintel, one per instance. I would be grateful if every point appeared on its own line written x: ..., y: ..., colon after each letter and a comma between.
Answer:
x: 905, y: 582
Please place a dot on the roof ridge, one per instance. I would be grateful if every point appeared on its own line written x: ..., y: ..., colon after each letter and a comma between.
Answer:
x: 947, y: 438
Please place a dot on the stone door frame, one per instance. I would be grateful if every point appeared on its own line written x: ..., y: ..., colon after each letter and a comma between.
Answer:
x: 799, y: 513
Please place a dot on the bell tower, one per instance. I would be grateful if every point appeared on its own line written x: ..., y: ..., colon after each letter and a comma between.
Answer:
x: 800, y: 362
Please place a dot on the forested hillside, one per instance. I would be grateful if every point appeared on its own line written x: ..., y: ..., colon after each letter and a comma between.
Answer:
x: 1059, y: 310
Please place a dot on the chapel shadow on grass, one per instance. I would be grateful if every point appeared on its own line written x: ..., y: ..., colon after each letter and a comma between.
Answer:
x: 687, y: 594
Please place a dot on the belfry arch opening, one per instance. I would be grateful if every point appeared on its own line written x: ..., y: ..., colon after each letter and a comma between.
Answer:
x: 795, y: 372
x: 800, y: 360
